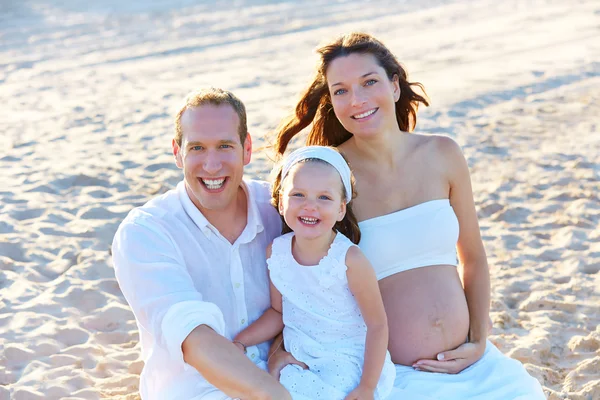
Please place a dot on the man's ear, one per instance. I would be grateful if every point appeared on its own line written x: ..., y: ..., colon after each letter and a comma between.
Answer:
x: 247, y: 149
x: 177, y: 154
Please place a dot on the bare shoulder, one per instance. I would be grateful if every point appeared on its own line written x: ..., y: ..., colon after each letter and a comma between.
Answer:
x: 444, y: 152
x: 438, y: 145
x: 355, y: 258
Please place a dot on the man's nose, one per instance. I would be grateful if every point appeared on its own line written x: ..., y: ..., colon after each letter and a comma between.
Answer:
x: 212, y: 163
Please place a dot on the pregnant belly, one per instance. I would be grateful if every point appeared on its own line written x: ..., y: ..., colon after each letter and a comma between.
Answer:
x: 427, y: 312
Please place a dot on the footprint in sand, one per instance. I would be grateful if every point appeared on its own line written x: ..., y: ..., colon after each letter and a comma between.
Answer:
x: 72, y: 336
x: 86, y: 300
x: 108, y: 319
x: 513, y: 215
x: 585, y: 372
x: 542, y: 301
x: 585, y: 344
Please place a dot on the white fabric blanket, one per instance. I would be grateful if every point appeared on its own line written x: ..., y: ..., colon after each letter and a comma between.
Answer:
x: 494, y: 377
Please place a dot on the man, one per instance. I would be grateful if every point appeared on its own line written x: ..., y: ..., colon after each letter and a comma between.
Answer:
x: 191, y: 263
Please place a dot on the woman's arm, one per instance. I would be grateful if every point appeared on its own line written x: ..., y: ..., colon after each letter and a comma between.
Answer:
x: 471, y: 254
x: 362, y: 282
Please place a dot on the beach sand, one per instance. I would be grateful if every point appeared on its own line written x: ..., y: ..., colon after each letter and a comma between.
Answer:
x: 89, y: 93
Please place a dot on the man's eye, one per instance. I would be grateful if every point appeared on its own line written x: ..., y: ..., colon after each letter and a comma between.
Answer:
x: 226, y: 146
x: 196, y: 148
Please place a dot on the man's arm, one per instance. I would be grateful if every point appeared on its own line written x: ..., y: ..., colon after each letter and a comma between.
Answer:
x: 224, y: 366
x: 162, y: 295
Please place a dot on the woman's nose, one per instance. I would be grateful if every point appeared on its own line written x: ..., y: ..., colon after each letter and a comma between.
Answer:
x: 358, y: 98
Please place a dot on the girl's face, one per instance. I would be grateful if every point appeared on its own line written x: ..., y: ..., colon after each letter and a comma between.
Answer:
x: 311, y: 199
x: 362, y: 95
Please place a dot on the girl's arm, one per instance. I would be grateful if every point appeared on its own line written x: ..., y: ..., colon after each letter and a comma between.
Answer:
x: 268, y: 325
x: 363, y: 285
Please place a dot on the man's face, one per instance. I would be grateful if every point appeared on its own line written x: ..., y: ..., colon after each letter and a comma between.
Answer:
x: 211, y: 156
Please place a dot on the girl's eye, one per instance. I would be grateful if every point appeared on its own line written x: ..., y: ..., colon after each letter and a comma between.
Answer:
x: 323, y: 197
x: 339, y: 91
x: 296, y: 194
x: 370, y: 82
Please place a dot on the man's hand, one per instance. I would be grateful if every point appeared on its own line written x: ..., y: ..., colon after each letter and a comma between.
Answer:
x: 361, y: 393
x: 453, y: 361
x: 279, y: 359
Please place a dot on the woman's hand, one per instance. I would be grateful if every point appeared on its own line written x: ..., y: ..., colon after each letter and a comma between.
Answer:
x: 453, y: 361
x: 280, y: 359
x: 361, y: 393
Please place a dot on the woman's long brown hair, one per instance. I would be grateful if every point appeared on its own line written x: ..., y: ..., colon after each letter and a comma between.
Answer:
x: 315, y: 104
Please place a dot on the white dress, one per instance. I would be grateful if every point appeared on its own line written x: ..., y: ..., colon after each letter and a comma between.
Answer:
x: 323, y: 324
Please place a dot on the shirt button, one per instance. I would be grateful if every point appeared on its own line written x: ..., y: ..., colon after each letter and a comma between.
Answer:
x: 237, y: 285
x: 243, y: 321
x: 252, y: 355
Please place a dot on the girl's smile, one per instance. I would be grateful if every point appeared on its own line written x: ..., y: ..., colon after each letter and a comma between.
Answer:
x: 311, y: 199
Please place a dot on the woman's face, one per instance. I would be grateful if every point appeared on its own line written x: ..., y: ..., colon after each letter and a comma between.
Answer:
x: 362, y: 95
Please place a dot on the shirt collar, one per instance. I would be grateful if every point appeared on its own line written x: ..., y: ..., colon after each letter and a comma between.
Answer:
x: 254, y: 224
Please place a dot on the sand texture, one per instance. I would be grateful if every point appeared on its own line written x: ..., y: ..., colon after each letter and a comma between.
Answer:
x: 88, y: 93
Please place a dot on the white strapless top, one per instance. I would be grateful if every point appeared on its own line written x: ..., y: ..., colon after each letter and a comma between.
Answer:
x: 418, y: 236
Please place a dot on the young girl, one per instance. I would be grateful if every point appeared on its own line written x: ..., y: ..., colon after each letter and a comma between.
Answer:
x: 324, y: 292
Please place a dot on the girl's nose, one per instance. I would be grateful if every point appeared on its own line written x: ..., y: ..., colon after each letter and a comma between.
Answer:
x: 310, y: 204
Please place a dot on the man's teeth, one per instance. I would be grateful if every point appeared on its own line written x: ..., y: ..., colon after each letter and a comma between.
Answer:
x: 309, y: 220
x: 213, y: 184
x: 365, y: 114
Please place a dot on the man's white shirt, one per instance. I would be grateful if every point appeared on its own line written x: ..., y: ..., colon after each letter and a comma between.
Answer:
x: 177, y: 272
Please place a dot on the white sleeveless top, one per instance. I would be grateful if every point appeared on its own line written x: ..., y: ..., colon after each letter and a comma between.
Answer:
x: 317, y: 298
x: 323, y: 324
x: 415, y: 237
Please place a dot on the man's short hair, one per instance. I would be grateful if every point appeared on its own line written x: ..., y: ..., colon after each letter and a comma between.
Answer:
x: 215, y: 97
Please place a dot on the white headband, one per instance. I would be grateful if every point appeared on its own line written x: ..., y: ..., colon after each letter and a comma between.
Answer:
x: 326, y: 154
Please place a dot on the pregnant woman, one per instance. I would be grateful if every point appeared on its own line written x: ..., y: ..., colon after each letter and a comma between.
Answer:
x: 418, y: 223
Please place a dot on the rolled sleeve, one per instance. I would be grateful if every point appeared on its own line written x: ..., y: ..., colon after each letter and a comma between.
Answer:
x: 183, y: 317
x: 158, y: 287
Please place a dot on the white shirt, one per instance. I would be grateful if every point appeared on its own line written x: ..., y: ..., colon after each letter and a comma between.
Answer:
x: 177, y: 272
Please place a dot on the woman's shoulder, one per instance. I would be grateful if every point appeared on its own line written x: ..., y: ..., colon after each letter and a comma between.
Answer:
x: 443, y: 149
x: 441, y: 144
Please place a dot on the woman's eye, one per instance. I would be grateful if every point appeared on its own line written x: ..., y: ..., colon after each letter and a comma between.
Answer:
x: 370, y: 82
x: 339, y: 91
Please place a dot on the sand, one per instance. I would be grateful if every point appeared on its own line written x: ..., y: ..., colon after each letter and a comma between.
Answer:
x: 89, y: 92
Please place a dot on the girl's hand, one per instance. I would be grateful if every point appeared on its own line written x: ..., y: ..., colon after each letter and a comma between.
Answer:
x: 361, y: 393
x: 280, y: 359
x: 453, y: 361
